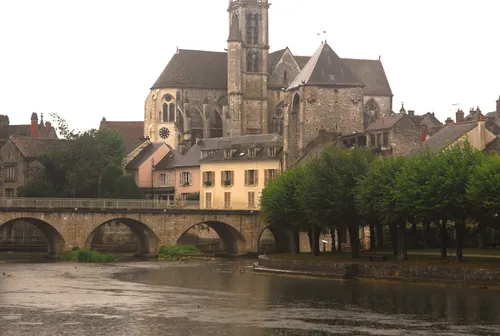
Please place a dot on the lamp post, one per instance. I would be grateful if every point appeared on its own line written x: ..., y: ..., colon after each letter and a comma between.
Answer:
x: 152, y: 181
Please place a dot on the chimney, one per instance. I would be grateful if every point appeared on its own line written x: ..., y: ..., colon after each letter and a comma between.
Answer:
x: 48, y: 127
x: 481, y: 124
x: 449, y: 121
x: 460, y: 116
x: 498, y: 107
x: 423, y: 133
x: 4, y: 120
x: 34, y: 125
x: 411, y: 113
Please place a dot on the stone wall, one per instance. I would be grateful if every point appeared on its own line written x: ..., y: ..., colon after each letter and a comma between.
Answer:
x: 389, y: 271
x: 10, y: 156
x: 404, y: 136
x: 384, y: 103
x: 286, y: 64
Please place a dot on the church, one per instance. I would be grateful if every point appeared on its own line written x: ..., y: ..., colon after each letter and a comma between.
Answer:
x: 249, y: 90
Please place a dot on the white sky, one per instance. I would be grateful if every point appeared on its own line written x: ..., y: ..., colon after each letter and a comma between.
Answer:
x: 94, y: 58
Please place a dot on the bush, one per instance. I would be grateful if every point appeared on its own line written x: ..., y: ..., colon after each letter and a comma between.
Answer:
x: 176, y: 252
x: 87, y: 256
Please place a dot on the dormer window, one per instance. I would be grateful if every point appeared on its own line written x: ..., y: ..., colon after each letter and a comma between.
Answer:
x: 272, y: 151
x: 228, y: 154
x: 252, y: 152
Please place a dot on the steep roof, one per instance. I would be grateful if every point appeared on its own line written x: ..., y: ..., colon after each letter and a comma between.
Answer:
x: 169, y: 160
x: 386, y: 122
x: 208, y: 69
x: 34, y: 147
x: 446, y: 136
x: 372, y: 74
x: 130, y: 130
x: 144, y: 155
x: 325, y: 68
x: 195, y: 69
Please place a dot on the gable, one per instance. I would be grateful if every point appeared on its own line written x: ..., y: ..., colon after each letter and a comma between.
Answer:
x: 286, y: 64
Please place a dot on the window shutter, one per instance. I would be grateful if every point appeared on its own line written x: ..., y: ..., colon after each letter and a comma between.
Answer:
x: 222, y: 178
x: 231, y: 174
x: 158, y: 180
x: 256, y: 177
x: 246, y: 177
x: 212, y: 178
x: 190, y: 178
x: 180, y: 179
x: 166, y: 179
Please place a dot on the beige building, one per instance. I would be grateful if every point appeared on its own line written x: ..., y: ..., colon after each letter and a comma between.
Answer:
x: 247, y: 90
x: 234, y: 174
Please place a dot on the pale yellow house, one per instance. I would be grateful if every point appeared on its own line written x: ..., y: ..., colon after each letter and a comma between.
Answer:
x: 482, y: 135
x: 234, y: 172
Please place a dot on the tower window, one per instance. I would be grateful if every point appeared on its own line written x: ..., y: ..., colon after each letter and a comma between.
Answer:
x: 171, y: 112
x: 256, y: 29
x: 165, y: 112
x: 168, y: 109
x: 249, y: 28
x: 285, y: 77
x: 253, y: 62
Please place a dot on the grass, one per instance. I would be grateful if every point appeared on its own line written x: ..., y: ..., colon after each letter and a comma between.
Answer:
x: 177, y: 252
x: 415, y: 259
x: 87, y: 256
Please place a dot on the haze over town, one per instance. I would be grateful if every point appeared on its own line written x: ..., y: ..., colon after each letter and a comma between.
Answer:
x: 89, y: 59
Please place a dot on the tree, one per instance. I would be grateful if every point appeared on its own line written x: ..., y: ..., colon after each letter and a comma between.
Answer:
x: 327, y: 193
x: 110, y: 176
x: 279, y: 203
x: 126, y: 188
x: 374, y: 195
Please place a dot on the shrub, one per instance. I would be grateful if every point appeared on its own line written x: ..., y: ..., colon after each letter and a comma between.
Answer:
x: 87, y: 256
x: 176, y: 252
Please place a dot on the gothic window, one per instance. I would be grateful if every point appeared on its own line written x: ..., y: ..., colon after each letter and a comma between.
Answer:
x: 277, y: 122
x: 249, y: 28
x: 296, y: 104
x: 256, y: 29
x: 171, y: 112
x: 285, y: 77
x: 371, y: 113
x: 168, y: 109
x: 253, y: 62
x: 216, y: 127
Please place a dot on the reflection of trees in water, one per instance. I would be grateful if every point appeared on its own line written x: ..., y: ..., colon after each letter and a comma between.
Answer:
x: 203, y: 237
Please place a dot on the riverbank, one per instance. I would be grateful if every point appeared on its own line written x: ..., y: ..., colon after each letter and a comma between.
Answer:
x: 423, y: 272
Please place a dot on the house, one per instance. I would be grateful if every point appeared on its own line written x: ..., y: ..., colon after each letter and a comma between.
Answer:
x: 20, y: 157
x: 35, y: 129
x: 142, y: 168
x: 428, y: 124
x: 395, y: 134
x: 235, y: 170
x: 482, y: 135
x: 165, y: 175
x: 187, y: 171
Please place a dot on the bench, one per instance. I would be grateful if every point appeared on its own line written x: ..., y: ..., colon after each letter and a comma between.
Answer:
x: 377, y: 257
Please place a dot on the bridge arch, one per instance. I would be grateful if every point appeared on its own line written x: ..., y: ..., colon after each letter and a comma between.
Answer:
x: 147, y: 240
x: 284, y: 239
x: 232, y: 240
x: 55, y: 241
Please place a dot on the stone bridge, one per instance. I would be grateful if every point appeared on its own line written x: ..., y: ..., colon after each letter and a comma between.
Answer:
x: 68, y: 223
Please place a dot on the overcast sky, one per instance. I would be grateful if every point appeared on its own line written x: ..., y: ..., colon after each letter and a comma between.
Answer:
x: 94, y: 58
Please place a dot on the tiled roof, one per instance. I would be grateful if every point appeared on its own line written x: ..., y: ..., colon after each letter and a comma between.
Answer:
x: 193, y: 156
x: 34, y: 147
x: 130, y: 130
x: 21, y: 130
x: 144, y: 155
x: 130, y: 146
x: 386, y: 122
x: 445, y: 137
x: 325, y: 68
x: 195, y: 69
x: 169, y: 160
x: 208, y: 69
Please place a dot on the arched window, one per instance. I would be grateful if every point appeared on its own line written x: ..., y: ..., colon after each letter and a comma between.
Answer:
x: 165, y: 112
x: 277, y: 122
x: 371, y: 113
x: 168, y: 109
x: 256, y: 29
x: 216, y: 127
x: 249, y: 28
x: 296, y: 104
x: 285, y: 77
x: 253, y: 62
x: 171, y: 112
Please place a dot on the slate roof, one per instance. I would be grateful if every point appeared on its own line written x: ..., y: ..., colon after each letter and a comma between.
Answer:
x: 130, y: 130
x: 445, y: 137
x: 34, y: 147
x: 169, y: 160
x: 241, y: 149
x: 384, y: 123
x: 208, y: 70
x: 193, y: 156
x: 491, y: 115
x: 144, y: 155
x: 130, y: 146
x: 195, y: 69
x: 325, y: 68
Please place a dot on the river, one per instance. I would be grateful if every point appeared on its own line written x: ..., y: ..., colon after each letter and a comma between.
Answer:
x: 227, y: 299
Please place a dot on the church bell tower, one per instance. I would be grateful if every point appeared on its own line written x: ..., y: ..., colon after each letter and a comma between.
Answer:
x: 247, y: 59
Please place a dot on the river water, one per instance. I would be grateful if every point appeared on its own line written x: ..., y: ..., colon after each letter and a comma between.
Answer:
x: 227, y: 299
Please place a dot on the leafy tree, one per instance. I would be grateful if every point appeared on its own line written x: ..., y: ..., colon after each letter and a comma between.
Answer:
x: 126, y: 188
x: 375, y: 198
x: 279, y: 203
x: 327, y: 193
x: 110, y: 176
x: 38, y: 189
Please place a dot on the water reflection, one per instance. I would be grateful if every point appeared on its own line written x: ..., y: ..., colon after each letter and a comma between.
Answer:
x: 228, y: 299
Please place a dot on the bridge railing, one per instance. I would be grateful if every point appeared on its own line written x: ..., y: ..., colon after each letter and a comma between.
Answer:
x: 94, y: 203
x: 103, y: 204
